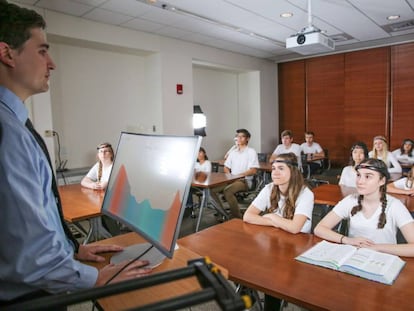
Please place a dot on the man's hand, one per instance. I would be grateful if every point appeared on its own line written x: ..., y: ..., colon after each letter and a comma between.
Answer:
x: 88, y: 252
x: 134, y: 270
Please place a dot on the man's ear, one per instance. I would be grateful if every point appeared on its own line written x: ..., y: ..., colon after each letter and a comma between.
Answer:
x: 6, y: 54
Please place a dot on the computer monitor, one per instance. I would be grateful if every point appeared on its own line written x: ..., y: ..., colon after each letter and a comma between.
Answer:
x: 149, y: 185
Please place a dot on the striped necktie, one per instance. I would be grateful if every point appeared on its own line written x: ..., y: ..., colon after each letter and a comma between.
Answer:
x: 55, y: 190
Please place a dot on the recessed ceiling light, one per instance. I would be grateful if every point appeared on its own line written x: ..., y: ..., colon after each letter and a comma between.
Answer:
x: 286, y: 15
x: 393, y: 17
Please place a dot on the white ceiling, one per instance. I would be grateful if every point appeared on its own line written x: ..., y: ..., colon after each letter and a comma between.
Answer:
x: 362, y: 23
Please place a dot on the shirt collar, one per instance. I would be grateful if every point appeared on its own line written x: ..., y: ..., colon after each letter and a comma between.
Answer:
x: 13, y: 103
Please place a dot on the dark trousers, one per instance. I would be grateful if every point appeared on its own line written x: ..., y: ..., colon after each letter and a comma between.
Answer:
x: 271, y: 303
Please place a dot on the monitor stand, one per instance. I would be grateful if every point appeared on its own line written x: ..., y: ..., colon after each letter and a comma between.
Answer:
x: 154, y: 256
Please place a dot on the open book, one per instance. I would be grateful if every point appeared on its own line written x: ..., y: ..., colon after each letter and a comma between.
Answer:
x: 363, y: 262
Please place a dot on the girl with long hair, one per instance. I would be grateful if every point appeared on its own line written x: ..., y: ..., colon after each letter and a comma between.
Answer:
x: 373, y: 216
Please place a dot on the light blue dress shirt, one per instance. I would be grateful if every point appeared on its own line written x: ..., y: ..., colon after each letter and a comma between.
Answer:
x: 34, y: 251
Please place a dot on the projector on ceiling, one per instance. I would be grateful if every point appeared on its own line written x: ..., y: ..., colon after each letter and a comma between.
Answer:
x: 310, y: 43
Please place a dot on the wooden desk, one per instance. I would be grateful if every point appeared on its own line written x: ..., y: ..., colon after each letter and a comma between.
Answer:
x: 81, y: 203
x: 155, y: 293
x: 328, y: 194
x: 263, y: 258
x: 214, y: 179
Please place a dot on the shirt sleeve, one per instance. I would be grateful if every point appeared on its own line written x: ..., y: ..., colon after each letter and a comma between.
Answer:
x: 93, y: 172
x: 262, y: 200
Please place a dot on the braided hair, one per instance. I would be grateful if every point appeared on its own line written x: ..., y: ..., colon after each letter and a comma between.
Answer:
x: 296, y: 184
x: 380, y: 167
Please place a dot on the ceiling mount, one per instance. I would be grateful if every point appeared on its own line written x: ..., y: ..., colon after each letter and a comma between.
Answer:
x: 310, y: 39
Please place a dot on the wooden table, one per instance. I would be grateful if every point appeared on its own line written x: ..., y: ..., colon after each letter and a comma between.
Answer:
x: 213, y: 179
x: 80, y: 203
x: 263, y: 258
x: 328, y: 194
x: 155, y: 293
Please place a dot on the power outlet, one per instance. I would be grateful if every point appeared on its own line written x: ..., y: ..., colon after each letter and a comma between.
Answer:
x: 48, y: 133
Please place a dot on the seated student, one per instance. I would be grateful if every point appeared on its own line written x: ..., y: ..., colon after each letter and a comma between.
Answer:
x: 312, y: 148
x: 98, y: 176
x: 201, y: 169
x: 373, y: 216
x: 404, y: 154
x: 359, y: 152
x: 287, y: 146
x: 241, y: 161
x: 403, y: 185
x: 285, y: 203
x: 380, y: 151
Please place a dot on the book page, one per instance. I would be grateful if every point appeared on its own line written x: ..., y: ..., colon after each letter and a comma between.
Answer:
x: 332, y: 253
x: 371, y: 261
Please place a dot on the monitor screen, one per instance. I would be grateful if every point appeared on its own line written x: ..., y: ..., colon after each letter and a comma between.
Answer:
x: 149, y: 184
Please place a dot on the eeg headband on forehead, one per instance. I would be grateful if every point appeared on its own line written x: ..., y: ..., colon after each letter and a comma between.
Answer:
x: 367, y: 166
x: 287, y: 162
x: 103, y: 146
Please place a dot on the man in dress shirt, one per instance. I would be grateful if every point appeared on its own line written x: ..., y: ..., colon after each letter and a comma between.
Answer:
x: 37, y: 255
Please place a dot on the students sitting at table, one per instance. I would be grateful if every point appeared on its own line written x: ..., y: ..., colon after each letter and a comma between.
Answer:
x: 380, y: 151
x: 373, y: 216
x: 287, y: 146
x: 404, y: 185
x: 285, y: 203
x: 241, y: 161
x: 311, y: 149
x: 405, y: 154
x: 359, y: 152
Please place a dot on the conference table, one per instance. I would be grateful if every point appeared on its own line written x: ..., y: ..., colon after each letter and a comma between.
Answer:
x: 328, y: 194
x: 205, y: 182
x: 137, y: 298
x: 263, y: 258
x: 80, y: 203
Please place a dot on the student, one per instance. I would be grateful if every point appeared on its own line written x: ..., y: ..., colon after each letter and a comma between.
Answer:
x: 285, y: 203
x: 359, y: 152
x: 373, y: 216
x: 404, y: 154
x: 287, y: 146
x: 311, y: 148
x: 201, y: 169
x: 98, y: 176
x: 241, y: 161
x: 404, y: 185
x: 380, y: 151
x: 38, y: 254
x: 202, y: 164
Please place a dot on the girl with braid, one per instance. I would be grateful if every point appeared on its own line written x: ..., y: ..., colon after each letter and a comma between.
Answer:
x: 374, y: 216
x: 98, y: 176
x: 285, y: 203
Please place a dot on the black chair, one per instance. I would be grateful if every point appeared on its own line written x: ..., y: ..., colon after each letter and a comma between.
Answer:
x: 262, y: 157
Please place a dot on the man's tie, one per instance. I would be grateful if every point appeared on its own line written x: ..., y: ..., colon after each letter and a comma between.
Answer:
x: 55, y: 190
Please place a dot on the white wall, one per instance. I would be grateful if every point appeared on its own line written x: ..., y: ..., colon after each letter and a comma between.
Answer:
x: 131, y: 77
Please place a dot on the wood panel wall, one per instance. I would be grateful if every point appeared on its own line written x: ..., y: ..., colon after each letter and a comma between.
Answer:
x: 292, y: 94
x: 402, y: 90
x: 349, y: 97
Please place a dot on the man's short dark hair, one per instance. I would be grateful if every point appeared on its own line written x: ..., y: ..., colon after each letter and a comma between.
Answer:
x: 243, y: 131
x: 16, y: 23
